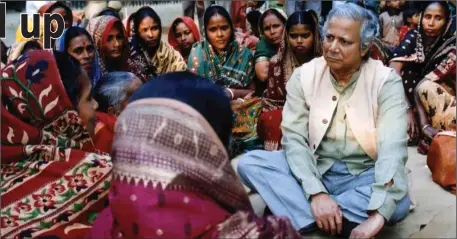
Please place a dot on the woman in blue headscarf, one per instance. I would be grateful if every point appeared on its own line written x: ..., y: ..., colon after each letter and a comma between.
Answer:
x: 77, y: 42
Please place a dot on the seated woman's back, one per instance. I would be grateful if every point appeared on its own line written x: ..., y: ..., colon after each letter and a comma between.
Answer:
x: 172, y: 167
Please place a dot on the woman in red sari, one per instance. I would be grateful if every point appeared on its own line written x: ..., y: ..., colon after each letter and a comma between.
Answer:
x: 52, y: 182
x: 172, y: 174
x: 183, y: 34
x: 301, y: 44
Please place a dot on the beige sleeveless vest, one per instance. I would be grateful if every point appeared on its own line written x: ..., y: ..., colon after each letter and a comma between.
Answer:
x: 361, y: 108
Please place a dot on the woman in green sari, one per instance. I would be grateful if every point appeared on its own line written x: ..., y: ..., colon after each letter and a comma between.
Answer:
x: 220, y: 58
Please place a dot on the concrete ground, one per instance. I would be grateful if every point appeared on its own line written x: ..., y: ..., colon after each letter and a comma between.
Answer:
x: 433, y: 217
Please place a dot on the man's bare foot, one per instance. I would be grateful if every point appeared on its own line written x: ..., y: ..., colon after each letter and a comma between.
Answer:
x: 370, y: 227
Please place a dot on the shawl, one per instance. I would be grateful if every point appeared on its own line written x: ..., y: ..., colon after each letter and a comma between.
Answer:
x: 190, y: 24
x: 165, y: 60
x: 99, y: 28
x: 52, y: 184
x: 281, y: 67
x: 233, y: 69
x: 170, y: 170
x: 16, y: 50
x: 96, y: 71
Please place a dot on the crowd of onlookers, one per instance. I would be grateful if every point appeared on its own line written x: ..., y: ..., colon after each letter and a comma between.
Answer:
x: 121, y: 131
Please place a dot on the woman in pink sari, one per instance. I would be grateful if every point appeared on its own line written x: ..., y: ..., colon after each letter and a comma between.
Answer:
x: 172, y: 175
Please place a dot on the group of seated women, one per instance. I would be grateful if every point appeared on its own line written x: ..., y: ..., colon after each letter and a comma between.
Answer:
x: 113, y: 111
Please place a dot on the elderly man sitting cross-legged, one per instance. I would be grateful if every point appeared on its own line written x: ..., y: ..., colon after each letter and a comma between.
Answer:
x: 344, y: 137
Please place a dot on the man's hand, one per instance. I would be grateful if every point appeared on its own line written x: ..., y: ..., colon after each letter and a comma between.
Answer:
x: 370, y: 227
x: 327, y: 213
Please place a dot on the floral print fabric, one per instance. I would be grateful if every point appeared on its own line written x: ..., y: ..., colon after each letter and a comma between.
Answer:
x: 52, y: 184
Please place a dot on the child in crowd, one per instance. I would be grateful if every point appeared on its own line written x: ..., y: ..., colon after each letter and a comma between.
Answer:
x: 410, y: 20
x: 390, y: 22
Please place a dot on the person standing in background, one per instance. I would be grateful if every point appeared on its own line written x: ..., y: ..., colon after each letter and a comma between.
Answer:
x: 292, y: 6
x: 390, y: 22
x: 188, y: 8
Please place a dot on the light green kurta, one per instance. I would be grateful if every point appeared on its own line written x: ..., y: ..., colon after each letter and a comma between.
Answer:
x: 339, y: 142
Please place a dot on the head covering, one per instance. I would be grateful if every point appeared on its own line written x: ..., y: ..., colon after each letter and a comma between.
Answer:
x: 171, y: 169
x: 284, y: 63
x: 47, y: 159
x: 99, y: 28
x: 234, y: 68
x: 189, y: 22
x: 95, y: 74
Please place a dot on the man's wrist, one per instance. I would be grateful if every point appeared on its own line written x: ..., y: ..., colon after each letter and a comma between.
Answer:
x: 376, y: 215
x: 320, y: 194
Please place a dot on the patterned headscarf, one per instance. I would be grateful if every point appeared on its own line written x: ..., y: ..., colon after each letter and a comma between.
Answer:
x: 99, y: 28
x: 49, y: 175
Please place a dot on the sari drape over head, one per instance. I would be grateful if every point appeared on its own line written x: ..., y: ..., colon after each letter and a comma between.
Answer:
x: 99, y: 28
x: 173, y: 174
x: 189, y: 22
x: 96, y: 72
x: 52, y: 182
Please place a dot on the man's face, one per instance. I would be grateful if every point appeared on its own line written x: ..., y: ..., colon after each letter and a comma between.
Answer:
x: 342, y: 44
